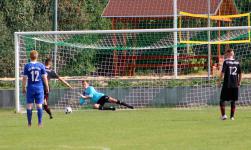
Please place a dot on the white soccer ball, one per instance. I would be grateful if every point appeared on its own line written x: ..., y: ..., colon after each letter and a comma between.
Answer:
x: 68, y: 110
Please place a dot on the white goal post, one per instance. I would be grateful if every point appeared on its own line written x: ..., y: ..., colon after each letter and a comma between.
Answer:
x: 127, y: 53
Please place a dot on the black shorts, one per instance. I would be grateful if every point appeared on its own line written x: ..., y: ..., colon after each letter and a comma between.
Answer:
x: 104, y: 99
x: 229, y: 94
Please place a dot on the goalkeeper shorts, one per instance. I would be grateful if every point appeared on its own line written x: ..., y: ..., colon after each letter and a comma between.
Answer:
x: 104, y: 99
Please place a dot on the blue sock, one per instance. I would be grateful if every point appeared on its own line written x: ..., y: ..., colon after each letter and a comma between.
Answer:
x: 29, y: 115
x: 39, y: 115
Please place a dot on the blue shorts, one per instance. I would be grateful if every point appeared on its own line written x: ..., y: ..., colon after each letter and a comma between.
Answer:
x: 35, y: 95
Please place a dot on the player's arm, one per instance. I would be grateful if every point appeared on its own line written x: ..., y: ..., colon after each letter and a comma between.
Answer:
x: 90, y: 95
x: 221, y: 74
x: 44, y: 77
x: 240, y: 78
x: 24, y: 81
x: 64, y: 82
x: 85, y: 96
x: 46, y: 83
x: 55, y: 75
x: 24, y: 84
x: 220, y: 79
x: 240, y: 75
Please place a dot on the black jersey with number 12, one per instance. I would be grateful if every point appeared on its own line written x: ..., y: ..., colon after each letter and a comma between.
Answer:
x: 232, y: 70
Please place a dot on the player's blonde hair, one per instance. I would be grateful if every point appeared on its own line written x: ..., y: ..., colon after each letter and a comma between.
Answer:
x: 33, y: 55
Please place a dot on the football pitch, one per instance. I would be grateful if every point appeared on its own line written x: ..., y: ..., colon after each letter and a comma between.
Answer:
x: 153, y: 129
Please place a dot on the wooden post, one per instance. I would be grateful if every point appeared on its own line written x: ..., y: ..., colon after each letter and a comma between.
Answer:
x: 115, y: 59
x: 219, y: 45
x: 124, y: 69
x: 209, y: 39
x: 134, y: 59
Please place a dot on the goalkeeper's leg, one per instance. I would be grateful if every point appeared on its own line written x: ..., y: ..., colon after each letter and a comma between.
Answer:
x: 102, y: 107
x: 113, y: 100
x: 101, y: 102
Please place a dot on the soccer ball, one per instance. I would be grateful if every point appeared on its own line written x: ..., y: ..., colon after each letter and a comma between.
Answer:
x: 68, y: 110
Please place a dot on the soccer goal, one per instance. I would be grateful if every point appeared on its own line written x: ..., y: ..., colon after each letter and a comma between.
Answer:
x: 143, y: 67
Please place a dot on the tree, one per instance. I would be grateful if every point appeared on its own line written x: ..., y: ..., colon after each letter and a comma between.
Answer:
x: 37, y: 15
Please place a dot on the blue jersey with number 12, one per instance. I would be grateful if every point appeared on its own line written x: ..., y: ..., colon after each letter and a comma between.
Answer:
x: 34, y: 71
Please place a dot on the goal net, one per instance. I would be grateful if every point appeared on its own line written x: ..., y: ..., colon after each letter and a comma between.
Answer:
x: 135, y: 66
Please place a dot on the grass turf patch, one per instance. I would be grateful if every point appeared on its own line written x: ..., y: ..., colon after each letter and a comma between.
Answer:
x: 123, y: 130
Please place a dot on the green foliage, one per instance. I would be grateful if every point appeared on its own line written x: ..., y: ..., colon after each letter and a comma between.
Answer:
x: 83, y: 39
x: 119, y: 83
x: 143, y: 72
x: 245, y: 64
x: 7, y: 84
x: 37, y: 15
x: 82, y: 64
x: 6, y: 49
x: 34, y: 15
x: 95, y: 9
x: 243, y: 5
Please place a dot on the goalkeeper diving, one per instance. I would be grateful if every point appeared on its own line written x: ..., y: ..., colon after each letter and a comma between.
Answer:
x: 99, y: 99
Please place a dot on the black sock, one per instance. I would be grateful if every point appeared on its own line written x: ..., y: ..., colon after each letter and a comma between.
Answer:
x: 232, y: 109
x: 124, y: 104
x: 47, y: 109
x: 106, y: 108
x: 222, y: 107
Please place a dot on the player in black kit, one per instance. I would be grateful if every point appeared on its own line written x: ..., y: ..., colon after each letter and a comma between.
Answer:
x: 51, y: 74
x: 231, y: 71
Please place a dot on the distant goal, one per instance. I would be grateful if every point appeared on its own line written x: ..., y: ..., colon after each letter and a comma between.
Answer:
x: 144, y: 67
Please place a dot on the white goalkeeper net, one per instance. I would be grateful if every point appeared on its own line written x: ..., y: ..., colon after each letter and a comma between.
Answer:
x: 137, y: 66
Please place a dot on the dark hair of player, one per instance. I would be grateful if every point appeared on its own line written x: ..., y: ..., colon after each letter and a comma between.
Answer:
x: 47, y: 61
x: 229, y: 50
x: 85, y: 81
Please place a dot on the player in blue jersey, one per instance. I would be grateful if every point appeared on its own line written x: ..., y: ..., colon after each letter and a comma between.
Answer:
x: 231, y: 71
x: 99, y: 99
x: 36, y: 75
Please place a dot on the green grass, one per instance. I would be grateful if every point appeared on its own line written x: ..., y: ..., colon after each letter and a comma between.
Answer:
x: 153, y: 129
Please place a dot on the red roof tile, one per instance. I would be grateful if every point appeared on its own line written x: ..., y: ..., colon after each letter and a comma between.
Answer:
x: 156, y: 8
